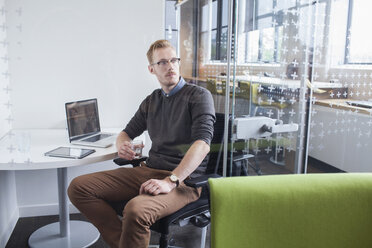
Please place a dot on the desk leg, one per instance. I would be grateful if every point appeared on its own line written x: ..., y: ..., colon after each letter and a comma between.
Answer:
x: 65, y: 233
x: 64, y: 216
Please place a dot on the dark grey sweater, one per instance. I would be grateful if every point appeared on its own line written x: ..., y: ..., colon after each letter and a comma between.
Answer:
x: 173, y: 124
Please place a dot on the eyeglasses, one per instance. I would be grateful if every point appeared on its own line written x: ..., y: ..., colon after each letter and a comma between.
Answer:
x: 164, y: 62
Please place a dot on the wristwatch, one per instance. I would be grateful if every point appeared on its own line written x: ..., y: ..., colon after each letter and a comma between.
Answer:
x: 174, y: 179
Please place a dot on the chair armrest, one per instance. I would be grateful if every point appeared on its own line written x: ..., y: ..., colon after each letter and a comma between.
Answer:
x: 134, y: 162
x: 200, y: 181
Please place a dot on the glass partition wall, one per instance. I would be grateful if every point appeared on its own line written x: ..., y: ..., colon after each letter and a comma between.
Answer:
x: 294, y: 61
x: 261, y: 49
x: 340, y: 120
x: 272, y: 49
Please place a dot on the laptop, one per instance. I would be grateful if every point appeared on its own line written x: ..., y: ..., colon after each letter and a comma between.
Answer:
x: 83, y: 124
x: 362, y: 104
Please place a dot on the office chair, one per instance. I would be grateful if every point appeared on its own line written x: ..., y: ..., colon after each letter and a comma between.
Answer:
x: 211, y: 86
x: 196, y: 213
x: 243, y: 91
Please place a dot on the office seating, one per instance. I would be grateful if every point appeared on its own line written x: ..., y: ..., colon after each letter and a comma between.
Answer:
x: 243, y: 91
x: 211, y: 86
x: 196, y: 213
x: 313, y: 210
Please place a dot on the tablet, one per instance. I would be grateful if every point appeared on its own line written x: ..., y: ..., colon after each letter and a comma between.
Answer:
x: 69, y: 152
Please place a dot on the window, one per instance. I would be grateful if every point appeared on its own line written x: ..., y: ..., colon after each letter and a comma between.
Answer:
x: 349, y: 26
x: 219, y: 30
x: 358, y: 43
x: 263, y: 30
x: 172, y: 23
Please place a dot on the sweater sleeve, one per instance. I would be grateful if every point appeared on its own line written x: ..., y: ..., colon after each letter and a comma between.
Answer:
x: 138, y: 124
x: 203, y: 116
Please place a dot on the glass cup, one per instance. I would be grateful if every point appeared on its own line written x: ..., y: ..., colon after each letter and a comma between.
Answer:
x: 23, y: 141
x: 137, y: 146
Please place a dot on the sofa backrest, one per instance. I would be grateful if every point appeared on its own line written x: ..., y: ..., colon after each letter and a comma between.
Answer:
x: 291, y: 211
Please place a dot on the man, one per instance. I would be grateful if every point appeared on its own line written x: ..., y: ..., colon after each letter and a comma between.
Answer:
x: 179, y: 118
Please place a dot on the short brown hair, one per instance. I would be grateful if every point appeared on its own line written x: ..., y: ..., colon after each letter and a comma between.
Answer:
x: 157, y: 45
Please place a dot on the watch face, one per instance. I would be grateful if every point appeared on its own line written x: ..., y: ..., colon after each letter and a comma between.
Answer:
x: 173, y: 178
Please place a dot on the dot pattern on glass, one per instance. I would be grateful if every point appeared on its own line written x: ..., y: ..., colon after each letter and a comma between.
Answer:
x: 340, y: 133
x: 295, y: 56
x: 12, y: 148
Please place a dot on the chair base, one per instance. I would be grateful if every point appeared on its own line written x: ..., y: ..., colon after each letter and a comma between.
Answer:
x: 165, y: 242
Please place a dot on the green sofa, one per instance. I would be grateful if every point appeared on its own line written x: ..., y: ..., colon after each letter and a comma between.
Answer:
x: 292, y: 211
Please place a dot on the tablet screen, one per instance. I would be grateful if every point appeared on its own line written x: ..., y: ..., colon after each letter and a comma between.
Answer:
x: 69, y: 152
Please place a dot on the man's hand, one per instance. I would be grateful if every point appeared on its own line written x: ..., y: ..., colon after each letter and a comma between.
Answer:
x: 156, y: 187
x: 125, y: 151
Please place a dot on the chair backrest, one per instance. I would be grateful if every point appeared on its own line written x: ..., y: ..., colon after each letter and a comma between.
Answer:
x: 262, y: 99
x: 216, y: 152
x: 243, y: 91
x: 313, y: 210
x: 215, y: 160
x: 211, y: 86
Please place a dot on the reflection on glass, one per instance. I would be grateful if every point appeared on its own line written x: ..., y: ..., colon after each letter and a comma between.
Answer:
x: 214, y: 45
x: 360, y: 50
x: 337, y: 31
x: 6, y: 115
x: 223, y: 46
x: 171, y: 15
x: 225, y: 14
x: 214, y: 14
x: 264, y: 6
x: 268, y: 40
x: 172, y: 23
x: 252, y: 46
x: 280, y: 5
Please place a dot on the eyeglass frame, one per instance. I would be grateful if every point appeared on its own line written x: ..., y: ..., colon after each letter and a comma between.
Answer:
x: 168, y: 61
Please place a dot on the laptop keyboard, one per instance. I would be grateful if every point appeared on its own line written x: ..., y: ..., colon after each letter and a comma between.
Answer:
x: 96, y: 137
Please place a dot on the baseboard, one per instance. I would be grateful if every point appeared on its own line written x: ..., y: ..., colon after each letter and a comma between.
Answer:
x: 322, y: 166
x: 4, y: 237
x: 43, y: 210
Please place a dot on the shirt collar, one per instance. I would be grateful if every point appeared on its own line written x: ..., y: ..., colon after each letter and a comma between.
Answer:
x: 177, y: 88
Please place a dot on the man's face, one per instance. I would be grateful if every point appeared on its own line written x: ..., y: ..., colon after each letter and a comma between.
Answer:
x: 167, y: 73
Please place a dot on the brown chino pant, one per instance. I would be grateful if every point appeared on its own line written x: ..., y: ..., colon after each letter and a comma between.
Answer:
x: 90, y: 194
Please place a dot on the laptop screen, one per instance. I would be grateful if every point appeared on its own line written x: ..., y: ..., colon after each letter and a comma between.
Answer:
x: 82, y: 118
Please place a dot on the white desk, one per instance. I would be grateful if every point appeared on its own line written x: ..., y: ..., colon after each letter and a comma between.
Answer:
x: 34, y: 144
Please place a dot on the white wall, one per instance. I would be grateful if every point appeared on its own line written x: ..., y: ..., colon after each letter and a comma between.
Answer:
x: 341, y: 138
x: 8, y: 206
x: 79, y: 49
x: 71, y: 50
x: 8, y: 201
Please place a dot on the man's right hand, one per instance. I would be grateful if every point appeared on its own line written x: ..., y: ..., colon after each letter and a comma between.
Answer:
x: 125, y: 151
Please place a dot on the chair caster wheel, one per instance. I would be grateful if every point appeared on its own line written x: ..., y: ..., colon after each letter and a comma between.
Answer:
x: 172, y: 242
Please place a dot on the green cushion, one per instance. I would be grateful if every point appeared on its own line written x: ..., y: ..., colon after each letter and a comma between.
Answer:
x: 313, y: 210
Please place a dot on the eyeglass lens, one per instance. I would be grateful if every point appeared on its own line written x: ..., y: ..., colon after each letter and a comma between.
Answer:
x: 165, y: 62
